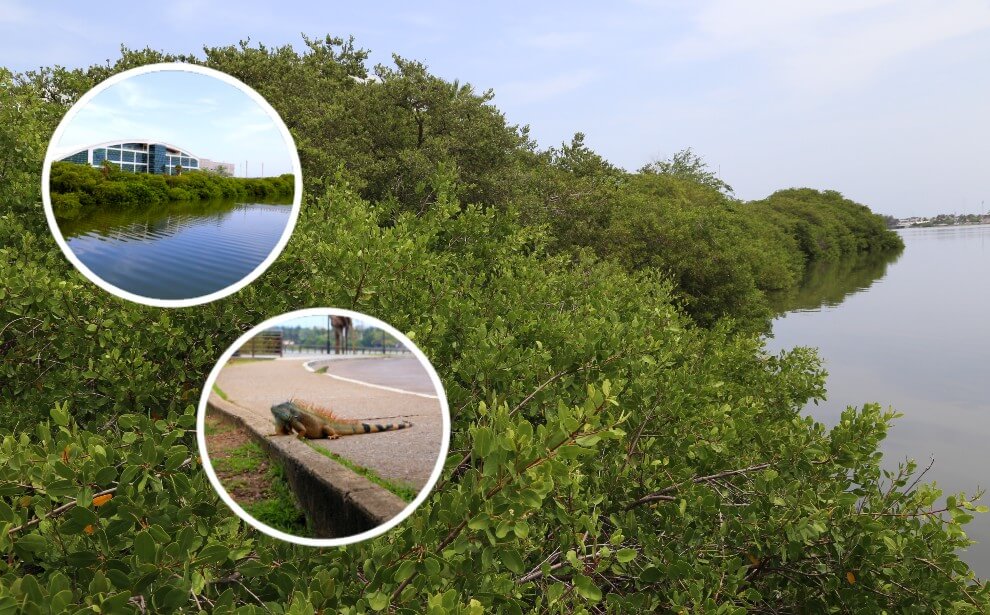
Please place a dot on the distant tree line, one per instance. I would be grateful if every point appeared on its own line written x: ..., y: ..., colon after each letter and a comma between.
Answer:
x: 316, y: 337
x: 725, y: 256
x: 77, y: 189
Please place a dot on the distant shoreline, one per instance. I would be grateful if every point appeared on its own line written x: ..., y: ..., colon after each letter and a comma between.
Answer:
x: 943, y: 220
x: 944, y: 224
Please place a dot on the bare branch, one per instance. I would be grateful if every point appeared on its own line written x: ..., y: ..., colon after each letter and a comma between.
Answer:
x: 661, y: 495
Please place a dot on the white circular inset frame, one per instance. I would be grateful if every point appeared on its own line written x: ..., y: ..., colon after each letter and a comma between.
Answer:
x: 51, y: 156
x: 345, y: 540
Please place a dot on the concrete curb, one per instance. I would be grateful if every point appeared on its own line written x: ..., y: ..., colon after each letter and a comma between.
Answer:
x: 336, y: 500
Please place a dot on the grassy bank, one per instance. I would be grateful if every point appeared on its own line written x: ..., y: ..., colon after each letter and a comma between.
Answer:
x: 252, y: 479
x: 408, y: 493
x: 77, y: 189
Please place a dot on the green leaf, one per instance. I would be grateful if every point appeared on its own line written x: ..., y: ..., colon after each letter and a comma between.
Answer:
x: 626, y: 555
x: 31, y: 589
x: 32, y: 542
x: 377, y: 601
x: 513, y: 561
x: 480, y: 521
x: 81, y: 559
x: 119, y: 579
x: 214, y: 553
x: 521, y: 529
x: 588, y: 441
x: 650, y: 574
x: 60, y: 415
x: 253, y: 568
x: 483, y: 441
x: 406, y: 570
x: 174, y: 598
x: 586, y: 588
x: 144, y: 546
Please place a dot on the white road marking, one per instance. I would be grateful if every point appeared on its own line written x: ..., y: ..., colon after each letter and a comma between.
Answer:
x: 368, y: 384
x: 378, y: 386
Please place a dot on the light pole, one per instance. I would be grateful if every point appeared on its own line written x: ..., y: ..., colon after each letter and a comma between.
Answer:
x: 328, y: 334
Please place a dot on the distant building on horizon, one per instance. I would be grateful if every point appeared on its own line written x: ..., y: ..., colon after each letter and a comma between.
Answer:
x: 142, y: 156
x: 224, y: 168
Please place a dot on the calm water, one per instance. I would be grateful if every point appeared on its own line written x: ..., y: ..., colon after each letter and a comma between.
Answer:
x: 913, y: 334
x: 181, y: 251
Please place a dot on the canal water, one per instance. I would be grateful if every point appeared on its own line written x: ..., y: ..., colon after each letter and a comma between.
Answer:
x: 180, y: 250
x: 912, y: 332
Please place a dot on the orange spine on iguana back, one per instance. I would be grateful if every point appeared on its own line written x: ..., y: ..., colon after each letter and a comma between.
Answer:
x: 313, y: 422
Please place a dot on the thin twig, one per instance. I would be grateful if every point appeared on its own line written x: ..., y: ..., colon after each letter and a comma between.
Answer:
x: 660, y: 495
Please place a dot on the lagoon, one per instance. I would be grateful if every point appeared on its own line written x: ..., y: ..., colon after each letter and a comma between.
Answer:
x: 180, y: 250
x: 912, y: 332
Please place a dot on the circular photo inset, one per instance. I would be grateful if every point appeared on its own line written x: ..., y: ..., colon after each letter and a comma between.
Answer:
x: 323, y: 427
x: 172, y: 185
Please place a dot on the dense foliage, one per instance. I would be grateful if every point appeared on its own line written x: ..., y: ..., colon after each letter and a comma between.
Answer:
x: 607, y: 454
x: 726, y: 257
x: 78, y: 189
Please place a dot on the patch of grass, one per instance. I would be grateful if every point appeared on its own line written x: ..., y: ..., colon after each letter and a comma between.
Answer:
x: 214, y: 425
x: 255, y: 482
x: 322, y: 370
x: 244, y: 458
x: 280, y: 510
x: 220, y: 392
x: 405, y: 491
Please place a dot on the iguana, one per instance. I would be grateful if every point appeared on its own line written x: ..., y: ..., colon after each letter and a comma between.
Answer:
x: 309, y: 421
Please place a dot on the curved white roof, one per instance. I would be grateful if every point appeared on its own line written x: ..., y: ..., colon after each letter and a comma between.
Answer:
x: 63, y: 152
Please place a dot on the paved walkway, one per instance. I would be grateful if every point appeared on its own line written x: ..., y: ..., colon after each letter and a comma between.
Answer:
x: 404, y: 373
x: 406, y: 455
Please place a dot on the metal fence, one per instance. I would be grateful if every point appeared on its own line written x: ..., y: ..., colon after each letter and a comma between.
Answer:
x: 266, y: 343
x: 367, y: 351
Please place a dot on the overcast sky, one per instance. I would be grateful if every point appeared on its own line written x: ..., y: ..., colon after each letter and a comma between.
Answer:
x: 883, y: 100
x: 197, y: 113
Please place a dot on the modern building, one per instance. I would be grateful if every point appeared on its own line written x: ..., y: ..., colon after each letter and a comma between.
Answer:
x: 144, y: 157
x: 223, y: 168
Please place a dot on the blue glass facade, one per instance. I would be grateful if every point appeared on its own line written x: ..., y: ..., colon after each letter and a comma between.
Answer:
x: 155, y: 158
x: 78, y: 158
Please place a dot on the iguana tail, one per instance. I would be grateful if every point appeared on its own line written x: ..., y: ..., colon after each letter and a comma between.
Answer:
x: 348, y: 426
x: 358, y: 428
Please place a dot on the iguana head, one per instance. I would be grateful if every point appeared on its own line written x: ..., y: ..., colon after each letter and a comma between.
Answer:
x: 284, y: 411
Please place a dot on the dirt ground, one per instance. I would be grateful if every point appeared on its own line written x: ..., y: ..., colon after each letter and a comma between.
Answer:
x: 245, y: 485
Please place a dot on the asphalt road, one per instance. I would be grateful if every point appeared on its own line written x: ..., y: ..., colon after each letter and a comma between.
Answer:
x: 405, y: 455
x: 404, y: 373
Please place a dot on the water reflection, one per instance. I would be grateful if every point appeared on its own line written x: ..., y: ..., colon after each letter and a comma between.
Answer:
x: 158, y: 220
x: 828, y: 284
x: 179, y: 250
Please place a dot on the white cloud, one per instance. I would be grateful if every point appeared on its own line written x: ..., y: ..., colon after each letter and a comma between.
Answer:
x: 862, y: 51
x: 821, y: 46
x: 523, y: 92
